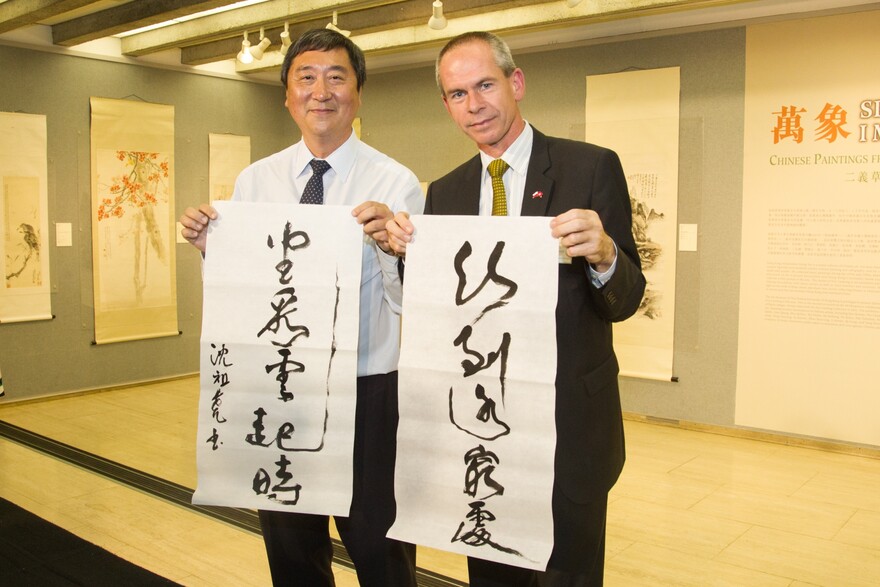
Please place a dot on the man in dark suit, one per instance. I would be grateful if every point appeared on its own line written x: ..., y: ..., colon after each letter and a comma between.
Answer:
x: 583, y: 188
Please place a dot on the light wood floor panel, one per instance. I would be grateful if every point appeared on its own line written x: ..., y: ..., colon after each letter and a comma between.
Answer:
x: 759, y: 472
x: 680, y: 530
x: 862, y: 529
x: 661, y: 488
x: 646, y: 565
x: 45, y: 481
x: 813, y: 560
x: 856, y: 487
x: 691, y: 508
x: 790, y: 514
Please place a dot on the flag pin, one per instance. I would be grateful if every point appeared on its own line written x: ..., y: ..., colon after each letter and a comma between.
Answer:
x: 537, y: 195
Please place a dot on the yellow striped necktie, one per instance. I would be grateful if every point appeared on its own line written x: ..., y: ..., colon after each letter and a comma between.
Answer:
x: 499, y: 198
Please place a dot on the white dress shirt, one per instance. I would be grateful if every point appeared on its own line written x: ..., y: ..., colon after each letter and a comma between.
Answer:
x: 517, y: 156
x: 358, y: 173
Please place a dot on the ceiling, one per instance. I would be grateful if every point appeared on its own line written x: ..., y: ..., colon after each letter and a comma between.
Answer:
x: 392, y: 33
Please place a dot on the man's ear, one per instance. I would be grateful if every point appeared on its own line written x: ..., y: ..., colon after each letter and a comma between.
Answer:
x: 518, y: 79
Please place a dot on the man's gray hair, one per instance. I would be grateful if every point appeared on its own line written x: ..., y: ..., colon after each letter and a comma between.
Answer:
x: 503, y: 58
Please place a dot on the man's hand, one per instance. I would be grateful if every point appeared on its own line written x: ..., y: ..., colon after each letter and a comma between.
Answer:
x: 400, y: 232
x: 373, y: 216
x: 195, y: 224
x: 582, y: 235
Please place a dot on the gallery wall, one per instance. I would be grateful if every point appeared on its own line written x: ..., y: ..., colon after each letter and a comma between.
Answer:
x: 403, y: 116
x: 58, y: 356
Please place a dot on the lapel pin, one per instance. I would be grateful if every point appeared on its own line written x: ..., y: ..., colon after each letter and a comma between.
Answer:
x: 537, y: 195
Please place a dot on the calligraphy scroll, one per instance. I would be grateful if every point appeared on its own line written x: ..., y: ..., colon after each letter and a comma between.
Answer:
x: 477, y: 435
x: 24, y: 218
x: 135, y: 287
x: 279, y: 358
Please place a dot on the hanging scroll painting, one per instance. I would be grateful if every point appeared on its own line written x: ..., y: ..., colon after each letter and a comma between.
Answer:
x: 132, y: 220
x: 636, y: 113
x: 228, y: 156
x: 24, y: 250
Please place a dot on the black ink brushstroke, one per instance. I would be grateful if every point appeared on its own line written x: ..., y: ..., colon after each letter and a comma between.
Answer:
x: 492, y: 273
x: 480, y: 535
x: 452, y: 420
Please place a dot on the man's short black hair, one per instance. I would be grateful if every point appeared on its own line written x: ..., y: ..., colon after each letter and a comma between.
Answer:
x: 326, y: 40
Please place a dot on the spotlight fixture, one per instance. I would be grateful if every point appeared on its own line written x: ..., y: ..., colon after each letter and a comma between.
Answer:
x: 437, y: 20
x: 332, y: 26
x: 244, y: 55
x: 257, y: 52
x: 285, y: 39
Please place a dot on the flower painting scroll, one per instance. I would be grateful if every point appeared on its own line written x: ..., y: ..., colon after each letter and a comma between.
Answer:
x: 132, y: 205
x: 131, y: 200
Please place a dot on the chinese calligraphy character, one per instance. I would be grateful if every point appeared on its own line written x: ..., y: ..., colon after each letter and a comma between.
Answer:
x: 788, y: 124
x: 258, y: 438
x: 285, y: 266
x: 492, y: 273
x: 481, y: 464
x: 479, y: 535
x: 831, y: 119
x: 220, y: 357
x: 262, y: 480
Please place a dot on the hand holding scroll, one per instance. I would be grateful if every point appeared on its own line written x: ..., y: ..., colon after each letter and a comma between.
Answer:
x: 195, y: 223
x: 373, y: 216
x: 582, y: 234
x: 400, y: 232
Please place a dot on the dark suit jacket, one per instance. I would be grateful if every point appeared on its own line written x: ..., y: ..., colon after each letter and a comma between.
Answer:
x: 589, y: 426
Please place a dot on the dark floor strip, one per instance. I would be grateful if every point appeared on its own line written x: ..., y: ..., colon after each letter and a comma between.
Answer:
x: 177, y: 494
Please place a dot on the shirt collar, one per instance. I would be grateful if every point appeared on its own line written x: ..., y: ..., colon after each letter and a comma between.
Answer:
x: 341, y: 160
x: 517, y: 154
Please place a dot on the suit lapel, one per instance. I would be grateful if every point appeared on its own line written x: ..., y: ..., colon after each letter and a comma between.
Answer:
x: 539, y: 186
x: 464, y: 196
x: 470, y: 190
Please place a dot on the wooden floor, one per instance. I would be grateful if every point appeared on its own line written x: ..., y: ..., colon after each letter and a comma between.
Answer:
x: 692, y: 508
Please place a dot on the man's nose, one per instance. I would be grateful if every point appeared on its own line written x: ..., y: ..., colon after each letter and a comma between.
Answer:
x: 474, y: 102
x: 322, y: 90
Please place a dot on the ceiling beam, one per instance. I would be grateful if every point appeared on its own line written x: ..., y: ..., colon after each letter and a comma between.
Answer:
x: 126, y: 17
x: 411, y: 36
x: 234, y: 22
x: 405, y: 13
x: 526, y: 18
x: 18, y: 13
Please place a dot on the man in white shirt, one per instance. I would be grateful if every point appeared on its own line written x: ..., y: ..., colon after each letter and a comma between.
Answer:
x: 323, y: 75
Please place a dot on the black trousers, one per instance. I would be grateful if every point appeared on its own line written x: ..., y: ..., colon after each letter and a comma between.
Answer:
x: 578, y: 557
x: 298, y: 545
